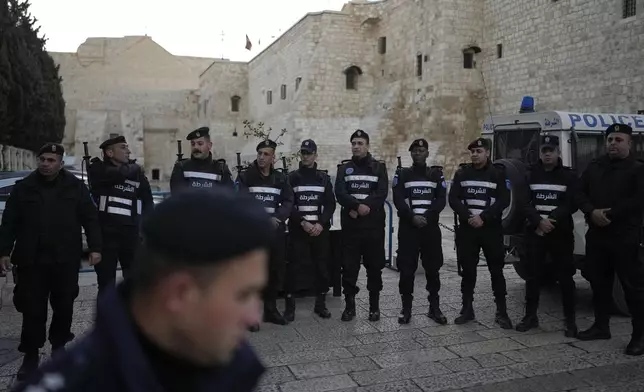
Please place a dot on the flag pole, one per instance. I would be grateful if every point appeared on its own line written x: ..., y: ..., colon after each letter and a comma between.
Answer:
x: 222, y: 44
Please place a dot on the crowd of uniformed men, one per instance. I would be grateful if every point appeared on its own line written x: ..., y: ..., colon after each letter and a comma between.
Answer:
x: 41, y: 226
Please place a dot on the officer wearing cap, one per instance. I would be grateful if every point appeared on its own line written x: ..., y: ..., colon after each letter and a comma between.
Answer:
x: 612, y: 199
x: 361, y: 187
x: 309, y: 224
x: 41, y: 235
x: 177, y: 323
x: 419, y: 195
x: 122, y: 194
x: 478, y: 196
x: 552, y: 189
x: 201, y: 170
x: 272, y: 189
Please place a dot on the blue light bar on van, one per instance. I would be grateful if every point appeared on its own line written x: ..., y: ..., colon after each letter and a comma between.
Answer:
x: 527, y: 105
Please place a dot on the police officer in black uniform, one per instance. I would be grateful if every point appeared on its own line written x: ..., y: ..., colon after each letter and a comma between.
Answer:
x: 478, y: 196
x: 612, y: 199
x: 122, y: 193
x: 309, y: 224
x: 201, y: 170
x: 552, y: 189
x: 272, y: 189
x: 361, y: 187
x: 419, y: 195
x: 41, y: 236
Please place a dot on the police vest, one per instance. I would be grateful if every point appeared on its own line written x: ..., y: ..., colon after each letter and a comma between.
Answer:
x: 309, y: 196
x: 361, y: 181
x: 419, y: 191
x: 547, y: 197
x: 269, y: 195
x: 199, y: 175
x: 478, y: 194
x: 120, y: 203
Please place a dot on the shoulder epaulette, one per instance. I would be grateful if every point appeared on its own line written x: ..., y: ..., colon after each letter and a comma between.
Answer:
x: 95, y: 159
x: 322, y: 171
x: 221, y: 160
x: 343, y: 162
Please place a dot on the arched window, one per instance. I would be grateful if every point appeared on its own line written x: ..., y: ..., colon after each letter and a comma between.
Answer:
x: 234, y: 103
x: 352, y: 73
x: 469, y: 60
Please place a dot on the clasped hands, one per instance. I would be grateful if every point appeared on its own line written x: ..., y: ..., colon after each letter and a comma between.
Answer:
x: 362, y: 211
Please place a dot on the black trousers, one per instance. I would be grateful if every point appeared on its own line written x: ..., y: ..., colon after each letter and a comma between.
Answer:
x: 427, y: 242
x: 560, y: 248
x: 604, y: 258
x: 37, y: 284
x: 303, y: 247
x: 367, y: 245
x: 118, y: 247
x: 276, y: 266
x: 470, y: 242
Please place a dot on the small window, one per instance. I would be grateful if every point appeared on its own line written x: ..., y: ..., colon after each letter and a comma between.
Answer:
x: 283, y: 91
x: 269, y: 97
x: 352, y: 73
x: 468, y: 60
x: 156, y: 174
x: 629, y: 8
x: 499, y: 51
x: 419, y: 66
x: 297, y: 83
x: 382, y: 45
x: 234, y: 103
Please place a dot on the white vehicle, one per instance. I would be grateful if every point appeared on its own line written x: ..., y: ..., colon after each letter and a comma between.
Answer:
x: 515, y: 145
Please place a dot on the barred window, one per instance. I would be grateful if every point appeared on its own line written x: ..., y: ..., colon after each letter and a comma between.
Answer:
x: 629, y: 8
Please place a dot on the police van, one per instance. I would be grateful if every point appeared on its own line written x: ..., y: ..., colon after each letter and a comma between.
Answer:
x: 515, y: 145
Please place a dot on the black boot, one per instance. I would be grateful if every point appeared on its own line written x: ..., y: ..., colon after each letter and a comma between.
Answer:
x: 405, y: 313
x: 374, y: 306
x: 435, y: 312
x: 636, y: 345
x: 57, y: 351
x: 530, y: 320
x: 596, y: 332
x: 349, y: 308
x: 570, y: 325
x: 272, y: 315
x: 29, y: 365
x: 502, y: 314
x: 467, y: 313
x: 320, y: 307
x: 289, y: 309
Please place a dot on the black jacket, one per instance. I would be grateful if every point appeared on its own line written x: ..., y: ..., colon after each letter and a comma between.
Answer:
x: 22, y: 220
x: 251, y: 179
x: 479, y: 191
x: 200, y: 173
x: 552, y: 194
x: 311, y: 197
x: 419, y: 190
x: 366, y: 178
x: 111, y: 358
x: 618, y: 185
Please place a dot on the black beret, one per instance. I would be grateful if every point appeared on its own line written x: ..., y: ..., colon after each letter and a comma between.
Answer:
x: 197, y: 133
x: 479, y: 143
x: 548, y: 140
x: 621, y: 128
x: 361, y: 134
x: 418, y: 143
x: 268, y: 143
x: 53, y: 148
x: 112, y: 141
x: 238, y: 224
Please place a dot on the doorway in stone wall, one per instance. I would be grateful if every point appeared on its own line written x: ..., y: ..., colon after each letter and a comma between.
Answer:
x: 160, y: 153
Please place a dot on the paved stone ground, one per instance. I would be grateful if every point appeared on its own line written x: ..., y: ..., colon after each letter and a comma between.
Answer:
x: 314, y: 355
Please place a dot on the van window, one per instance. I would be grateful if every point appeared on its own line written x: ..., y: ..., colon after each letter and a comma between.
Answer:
x: 5, y: 192
x: 590, y: 147
x: 521, y: 144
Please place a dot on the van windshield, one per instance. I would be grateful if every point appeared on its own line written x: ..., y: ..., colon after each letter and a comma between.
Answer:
x: 521, y: 144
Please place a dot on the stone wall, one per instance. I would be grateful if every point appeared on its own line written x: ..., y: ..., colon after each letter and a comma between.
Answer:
x: 12, y: 158
x: 570, y: 55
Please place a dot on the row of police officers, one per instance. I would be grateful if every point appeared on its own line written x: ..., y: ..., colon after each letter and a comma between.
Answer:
x: 43, y: 216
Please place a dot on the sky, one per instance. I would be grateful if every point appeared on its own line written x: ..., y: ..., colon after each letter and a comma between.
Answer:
x: 182, y: 27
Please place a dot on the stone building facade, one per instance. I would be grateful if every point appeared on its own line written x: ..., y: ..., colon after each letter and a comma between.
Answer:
x: 399, y: 69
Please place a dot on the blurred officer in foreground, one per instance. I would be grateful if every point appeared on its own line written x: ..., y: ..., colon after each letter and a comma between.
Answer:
x: 122, y: 193
x: 478, y: 196
x: 419, y: 196
x: 43, y: 219
x: 361, y: 187
x: 309, y: 224
x: 201, y: 170
x: 271, y: 188
x: 552, y: 189
x: 612, y: 198
x: 178, y: 322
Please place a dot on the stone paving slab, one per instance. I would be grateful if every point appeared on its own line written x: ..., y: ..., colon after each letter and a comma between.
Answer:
x: 313, y: 354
